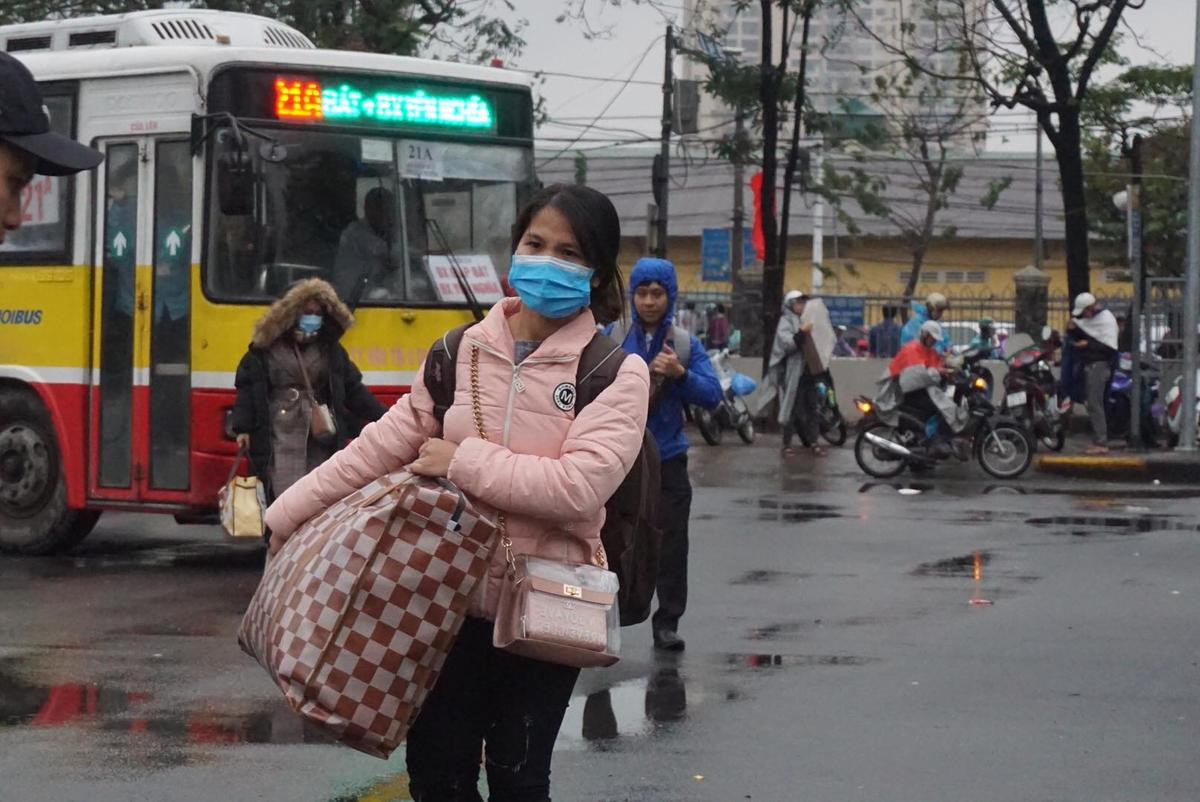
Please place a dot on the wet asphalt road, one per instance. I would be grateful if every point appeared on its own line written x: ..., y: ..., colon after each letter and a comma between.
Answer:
x: 834, y: 653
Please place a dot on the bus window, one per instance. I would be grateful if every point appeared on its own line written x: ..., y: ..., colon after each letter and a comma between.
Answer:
x: 44, y: 203
x: 360, y: 213
x: 117, y: 305
x: 170, y: 348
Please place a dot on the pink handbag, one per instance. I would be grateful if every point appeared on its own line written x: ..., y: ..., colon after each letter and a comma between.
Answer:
x: 355, y: 615
x: 558, y: 612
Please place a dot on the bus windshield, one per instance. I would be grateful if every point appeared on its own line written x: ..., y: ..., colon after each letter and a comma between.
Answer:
x: 371, y: 215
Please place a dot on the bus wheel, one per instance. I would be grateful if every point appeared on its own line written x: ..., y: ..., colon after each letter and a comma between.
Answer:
x: 34, y: 517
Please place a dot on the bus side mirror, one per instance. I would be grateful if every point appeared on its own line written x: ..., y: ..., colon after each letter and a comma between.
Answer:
x: 235, y: 181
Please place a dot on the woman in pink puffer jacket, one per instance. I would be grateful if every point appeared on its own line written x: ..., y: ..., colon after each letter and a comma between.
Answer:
x: 549, y: 472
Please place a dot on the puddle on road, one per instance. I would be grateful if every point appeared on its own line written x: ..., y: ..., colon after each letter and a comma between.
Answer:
x: 779, y: 631
x: 792, y: 512
x: 969, y: 565
x: 26, y: 703
x: 216, y: 556
x: 1095, y: 525
x: 764, y: 576
x: 739, y: 662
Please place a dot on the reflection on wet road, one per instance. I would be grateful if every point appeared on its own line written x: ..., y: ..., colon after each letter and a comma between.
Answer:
x: 846, y: 640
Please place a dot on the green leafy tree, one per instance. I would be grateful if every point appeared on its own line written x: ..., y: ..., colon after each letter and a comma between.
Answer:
x: 773, y: 101
x: 907, y: 146
x: 472, y: 30
x: 1146, y: 109
x: 1041, y: 55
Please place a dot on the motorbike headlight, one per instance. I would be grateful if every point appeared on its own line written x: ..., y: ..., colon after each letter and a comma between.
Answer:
x: 978, y: 383
x: 864, y: 406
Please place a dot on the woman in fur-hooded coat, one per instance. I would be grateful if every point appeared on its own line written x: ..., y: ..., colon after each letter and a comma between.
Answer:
x: 273, y: 411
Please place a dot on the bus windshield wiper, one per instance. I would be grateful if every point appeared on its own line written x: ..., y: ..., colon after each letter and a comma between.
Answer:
x: 456, y: 266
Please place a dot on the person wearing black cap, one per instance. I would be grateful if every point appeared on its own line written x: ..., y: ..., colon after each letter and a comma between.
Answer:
x: 27, y: 145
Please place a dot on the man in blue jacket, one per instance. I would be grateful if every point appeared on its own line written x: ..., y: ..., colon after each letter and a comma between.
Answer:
x: 934, y: 307
x: 680, y: 373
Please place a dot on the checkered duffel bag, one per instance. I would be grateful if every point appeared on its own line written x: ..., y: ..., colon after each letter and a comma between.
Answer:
x: 355, y: 615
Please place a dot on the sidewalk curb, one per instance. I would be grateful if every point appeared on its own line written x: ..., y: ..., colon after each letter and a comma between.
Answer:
x: 1166, y: 468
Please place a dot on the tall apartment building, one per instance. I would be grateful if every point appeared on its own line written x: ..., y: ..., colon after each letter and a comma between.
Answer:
x: 843, y: 57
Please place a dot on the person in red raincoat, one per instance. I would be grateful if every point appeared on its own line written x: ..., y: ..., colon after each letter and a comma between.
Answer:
x: 919, y: 370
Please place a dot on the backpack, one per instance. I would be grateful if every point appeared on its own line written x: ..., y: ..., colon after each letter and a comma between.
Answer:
x: 631, y: 537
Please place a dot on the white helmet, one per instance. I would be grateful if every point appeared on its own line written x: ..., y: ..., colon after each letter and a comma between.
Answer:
x: 933, y: 329
x: 936, y: 299
x: 1082, y: 301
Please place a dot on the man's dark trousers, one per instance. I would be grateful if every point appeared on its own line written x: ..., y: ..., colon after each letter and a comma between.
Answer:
x: 674, y: 508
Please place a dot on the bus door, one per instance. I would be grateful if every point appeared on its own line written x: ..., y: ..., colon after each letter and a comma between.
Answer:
x: 141, y: 389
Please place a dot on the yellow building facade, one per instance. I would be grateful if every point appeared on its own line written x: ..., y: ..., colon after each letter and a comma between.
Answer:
x: 881, y: 266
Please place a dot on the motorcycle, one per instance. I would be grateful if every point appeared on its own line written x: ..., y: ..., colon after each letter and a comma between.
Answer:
x: 830, y: 421
x: 1118, y: 405
x: 732, y: 412
x: 1174, y: 410
x: 1031, y: 396
x: 1001, y: 445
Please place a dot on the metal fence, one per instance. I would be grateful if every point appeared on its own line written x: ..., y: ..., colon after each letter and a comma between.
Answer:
x: 858, y: 313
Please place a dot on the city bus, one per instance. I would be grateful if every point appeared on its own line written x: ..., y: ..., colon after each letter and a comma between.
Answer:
x: 237, y: 156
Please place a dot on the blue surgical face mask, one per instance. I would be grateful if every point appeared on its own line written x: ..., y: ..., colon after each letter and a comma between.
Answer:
x: 310, y: 324
x: 550, y: 286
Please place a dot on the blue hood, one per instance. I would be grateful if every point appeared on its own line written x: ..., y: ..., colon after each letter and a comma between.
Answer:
x: 661, y: 271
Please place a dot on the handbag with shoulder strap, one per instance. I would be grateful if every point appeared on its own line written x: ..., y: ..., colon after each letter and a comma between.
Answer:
x: 321, y: 423
x: 550, y: 610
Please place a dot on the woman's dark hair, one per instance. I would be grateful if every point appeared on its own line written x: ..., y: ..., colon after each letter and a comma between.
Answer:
x: 597, y: 228
x: 721, y: 309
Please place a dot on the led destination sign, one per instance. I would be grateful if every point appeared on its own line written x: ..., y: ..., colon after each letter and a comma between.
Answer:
x: 304, y: 99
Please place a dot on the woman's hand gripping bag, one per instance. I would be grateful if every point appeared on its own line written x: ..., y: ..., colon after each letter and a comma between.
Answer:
x: 355, y: 615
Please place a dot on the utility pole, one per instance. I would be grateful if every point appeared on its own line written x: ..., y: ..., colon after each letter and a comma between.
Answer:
x: 1135, y: 270
x: 737, y: 244
x: 818, y: 228
x: 1039, y: 250
x: 662, y: 173
x: 1191, y: 289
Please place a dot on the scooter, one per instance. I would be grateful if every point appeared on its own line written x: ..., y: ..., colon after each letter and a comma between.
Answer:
x: 732, y: 412
x: 887, y: 445
x: 1118, y: 404
x: 1174, y: 410
x: 1031, y: 397
x: 830, y: 421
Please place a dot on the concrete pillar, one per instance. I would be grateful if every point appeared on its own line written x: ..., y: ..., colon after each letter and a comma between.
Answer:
x: 1032, y: 287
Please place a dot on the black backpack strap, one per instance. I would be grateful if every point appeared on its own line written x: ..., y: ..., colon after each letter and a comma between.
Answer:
x: 599, y: 363
x: 439, y: 376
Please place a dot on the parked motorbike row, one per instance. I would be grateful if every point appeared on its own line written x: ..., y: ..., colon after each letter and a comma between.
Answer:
x: 1002, y: 436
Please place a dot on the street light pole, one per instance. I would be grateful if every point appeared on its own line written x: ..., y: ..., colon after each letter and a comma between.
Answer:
x: 1187, y: 429
x: 1038, y: 248
x: 737, y: 235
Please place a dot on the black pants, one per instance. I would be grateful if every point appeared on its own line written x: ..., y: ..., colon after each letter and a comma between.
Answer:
x: 512, y: 703
x: 674, y: 508
x: 805, y: 419
x: 921, y: 406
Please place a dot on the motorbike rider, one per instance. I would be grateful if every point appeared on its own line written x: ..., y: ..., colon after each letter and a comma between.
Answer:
x: 934, y: 308
x: 985, y: 340
x: 917, y: 371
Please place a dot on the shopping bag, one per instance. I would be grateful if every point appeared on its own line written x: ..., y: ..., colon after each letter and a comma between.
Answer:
x: 355, y: 615
x: 243, y: 503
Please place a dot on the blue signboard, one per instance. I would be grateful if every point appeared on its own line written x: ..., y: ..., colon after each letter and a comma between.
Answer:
x: 715, y: 248
x: 845, y: 310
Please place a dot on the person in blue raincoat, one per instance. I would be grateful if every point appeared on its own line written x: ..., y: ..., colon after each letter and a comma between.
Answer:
x: 652, y: 335
x: 934, y: 307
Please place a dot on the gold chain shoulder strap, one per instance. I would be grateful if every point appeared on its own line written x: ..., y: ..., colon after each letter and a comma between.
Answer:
x: 477, y: 411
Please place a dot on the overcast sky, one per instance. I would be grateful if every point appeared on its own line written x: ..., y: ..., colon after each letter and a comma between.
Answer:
x: 637, y: 31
